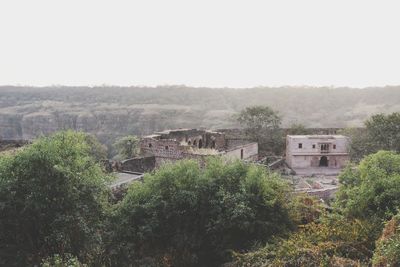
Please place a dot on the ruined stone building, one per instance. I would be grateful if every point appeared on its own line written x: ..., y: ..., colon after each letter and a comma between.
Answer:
x: 314, y: 154
x: 173, y: 145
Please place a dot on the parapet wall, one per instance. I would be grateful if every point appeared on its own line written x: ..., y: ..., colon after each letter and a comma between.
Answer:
x: 139, y: 164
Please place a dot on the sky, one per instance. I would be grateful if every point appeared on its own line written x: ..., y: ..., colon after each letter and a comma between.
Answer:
x: 213, y: 43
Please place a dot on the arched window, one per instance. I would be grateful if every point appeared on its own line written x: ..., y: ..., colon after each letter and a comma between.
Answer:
x: 150, y: 145
x: 195, y: 142
x: 323, y: 161
x: 189, y: 143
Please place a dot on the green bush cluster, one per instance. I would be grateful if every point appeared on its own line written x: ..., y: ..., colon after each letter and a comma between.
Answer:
x: 56, y: 210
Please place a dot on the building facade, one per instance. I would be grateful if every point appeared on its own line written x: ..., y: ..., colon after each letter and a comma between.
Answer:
x: 317, y: 152
x: 172, y: 145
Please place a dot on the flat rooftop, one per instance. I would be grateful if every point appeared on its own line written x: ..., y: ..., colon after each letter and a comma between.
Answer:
x: 319, y: 136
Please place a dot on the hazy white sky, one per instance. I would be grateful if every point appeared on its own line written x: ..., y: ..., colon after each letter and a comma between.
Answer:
x: 200, y: 43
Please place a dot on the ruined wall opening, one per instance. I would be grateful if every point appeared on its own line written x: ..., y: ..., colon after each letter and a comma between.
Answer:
x: 323, y: 162
x: 241, y: 153
x: 200, y: 143
x: 213, y: 144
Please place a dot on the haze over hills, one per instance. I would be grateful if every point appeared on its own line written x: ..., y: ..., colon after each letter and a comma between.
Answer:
x: 109, y: 111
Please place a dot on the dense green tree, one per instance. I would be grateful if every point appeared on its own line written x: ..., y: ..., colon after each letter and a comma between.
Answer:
x: 371, y: 190
x: 335, y: 241
x: 261, y: 124
x: 97, y: 150
x: 384, y: 131
x: 183, y: 215
x: 53, y: 198
x: 298, y: 129
x: 127, y: 146
x: 360, y: 143
x: 387, y: 252
x: 381, y: 132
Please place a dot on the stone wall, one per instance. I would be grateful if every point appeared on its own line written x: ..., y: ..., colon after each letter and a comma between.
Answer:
x: 305, y: 151
x: 334, y: 161
x: 248, y: 151
x: 325, y: 194
x: 235, y: 142
x: 139, y: 164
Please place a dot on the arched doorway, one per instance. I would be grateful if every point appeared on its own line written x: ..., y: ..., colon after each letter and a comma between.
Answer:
x: 200, y: 143
x: 323, y: 162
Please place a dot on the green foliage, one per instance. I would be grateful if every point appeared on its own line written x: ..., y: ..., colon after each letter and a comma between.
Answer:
x: 66, y: 260
x: 298, y: 129
x: 372, y: 190
x: 387, y: 252
x: 306, y: 209
x: 52, y: 201
x: 183, y: 215
x: 127, y: 147
x: 261, y: 124
x: 334, y: 241
x: 97, y: 150
x: 360, y: 143
x: 382, y: 132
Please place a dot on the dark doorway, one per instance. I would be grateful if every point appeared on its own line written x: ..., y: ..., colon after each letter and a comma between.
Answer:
x: 323, y: 162
x: 241, y: 154
x: 200, y: 143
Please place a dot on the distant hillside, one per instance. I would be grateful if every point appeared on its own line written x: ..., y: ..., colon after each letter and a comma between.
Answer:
x: 26, y: 112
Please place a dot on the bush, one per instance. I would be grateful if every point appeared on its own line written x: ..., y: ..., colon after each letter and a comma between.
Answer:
x: 183, y: 215
x: 53, y: 199
x: 371, y: 191
x: 66, y: 260
x: 332, y: 242
x: 387, y: 252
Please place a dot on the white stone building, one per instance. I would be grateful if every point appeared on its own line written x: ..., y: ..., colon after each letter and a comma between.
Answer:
x: 314, y: 154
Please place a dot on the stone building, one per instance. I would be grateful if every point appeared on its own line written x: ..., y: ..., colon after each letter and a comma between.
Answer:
x: 315, y: 154
x: 172, y: 145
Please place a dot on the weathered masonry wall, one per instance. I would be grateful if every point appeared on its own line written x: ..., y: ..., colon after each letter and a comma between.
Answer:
x: 235, y: 142
x: 139, y: 164
x: 314, y: 161
x: 248, y: 151
x: 173, y: 145
x: 311, y: 145
x: 313, y: 151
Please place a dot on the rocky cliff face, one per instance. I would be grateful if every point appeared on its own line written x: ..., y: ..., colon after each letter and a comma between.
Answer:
x: 109, y: 112
x: 107, y: 124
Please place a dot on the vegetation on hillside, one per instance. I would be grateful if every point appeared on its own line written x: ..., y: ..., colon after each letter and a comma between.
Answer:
x: 56, y: 210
